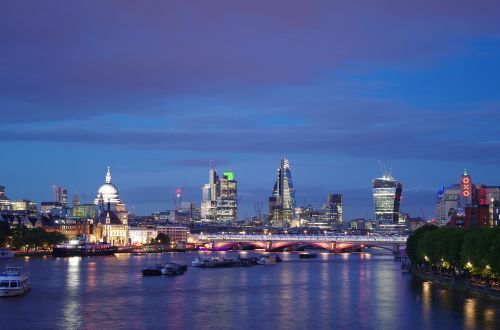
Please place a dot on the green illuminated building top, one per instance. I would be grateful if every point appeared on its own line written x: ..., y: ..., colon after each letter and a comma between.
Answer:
x: 229, y: 175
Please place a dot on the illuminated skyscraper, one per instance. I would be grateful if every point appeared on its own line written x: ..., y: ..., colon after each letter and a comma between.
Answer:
x: 5, y: 204
x: 219, y: 202
x: 76, y: 200
x: 209, y: 201
x: 282, y: 202
x: 386, y: 199
x: 333, y: 209
x: 61, y: 196
x: 227, y: 199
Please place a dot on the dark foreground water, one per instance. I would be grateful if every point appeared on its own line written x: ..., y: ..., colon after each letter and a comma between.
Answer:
x: 342, y: 291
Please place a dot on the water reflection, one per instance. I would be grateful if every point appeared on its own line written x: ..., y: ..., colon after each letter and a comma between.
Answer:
x: 426, y: 301
x: 71, y: 308
x: 470, y: 313
x: 357, y: 291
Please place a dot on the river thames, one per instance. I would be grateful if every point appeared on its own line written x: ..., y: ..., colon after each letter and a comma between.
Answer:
x: 343, y: 291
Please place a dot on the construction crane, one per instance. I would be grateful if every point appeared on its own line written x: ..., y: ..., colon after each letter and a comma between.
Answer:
x: 258, y: 209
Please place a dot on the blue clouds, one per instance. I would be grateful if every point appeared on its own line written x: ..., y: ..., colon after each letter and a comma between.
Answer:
x: 160, y: 88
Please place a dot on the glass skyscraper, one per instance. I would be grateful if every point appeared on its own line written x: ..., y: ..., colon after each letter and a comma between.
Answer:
x: 386, y: 199
x: 220, y: 198
x: 282, y: 201
x: 227, y: 200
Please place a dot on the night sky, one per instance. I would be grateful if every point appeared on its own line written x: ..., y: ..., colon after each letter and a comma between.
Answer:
x: 156, y: 89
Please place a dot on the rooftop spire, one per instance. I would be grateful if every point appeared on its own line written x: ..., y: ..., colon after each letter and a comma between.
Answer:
x: 108, y: 176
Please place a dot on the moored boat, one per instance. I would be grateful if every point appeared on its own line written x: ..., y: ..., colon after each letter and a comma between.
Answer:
x: 84, y: 250
x: 215, y: 262
x: 13, y: 282
x: 267, y: 260
x: 165, y: 269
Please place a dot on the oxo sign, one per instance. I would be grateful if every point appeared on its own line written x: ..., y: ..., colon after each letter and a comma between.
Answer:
x: 466, y: 189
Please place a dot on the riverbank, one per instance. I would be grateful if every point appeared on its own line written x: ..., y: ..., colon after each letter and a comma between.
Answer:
x: 456, y: 283
x: 120, y: 250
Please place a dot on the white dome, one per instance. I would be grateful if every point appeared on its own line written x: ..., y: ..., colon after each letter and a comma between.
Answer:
x: 108, y: 191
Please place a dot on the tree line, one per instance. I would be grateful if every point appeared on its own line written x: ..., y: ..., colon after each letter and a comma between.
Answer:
x: 476, y: 251
x: 22, y: 238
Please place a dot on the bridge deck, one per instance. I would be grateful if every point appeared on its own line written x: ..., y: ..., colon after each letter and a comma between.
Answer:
x: 306, y: 238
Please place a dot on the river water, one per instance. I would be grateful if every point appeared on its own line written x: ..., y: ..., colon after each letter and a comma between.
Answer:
x: 342, y: 291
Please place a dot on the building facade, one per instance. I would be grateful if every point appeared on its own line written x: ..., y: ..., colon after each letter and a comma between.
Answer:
x: 386, y: 200
x: 227, y: 199
x: 282, y: 201
x: 176, y: 233
x: 61, y: 196
x: 141, y: 235
x: 5, y: 203
x: 467, y: 204
x: 24, y: 205
x: 220, y: 198
x: 111, y: 216
x: 84, y: 211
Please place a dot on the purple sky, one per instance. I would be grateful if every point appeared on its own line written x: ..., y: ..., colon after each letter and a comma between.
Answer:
x: 158, y: 88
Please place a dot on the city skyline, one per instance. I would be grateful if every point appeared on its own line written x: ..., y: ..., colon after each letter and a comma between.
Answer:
x: 158, y: 91
x: 85, y: 198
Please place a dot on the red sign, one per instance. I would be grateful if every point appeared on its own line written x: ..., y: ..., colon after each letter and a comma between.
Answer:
x: 466, y: 186
x: 483, y: 196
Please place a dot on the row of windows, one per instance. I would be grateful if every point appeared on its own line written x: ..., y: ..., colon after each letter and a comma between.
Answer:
x: 12, y: 284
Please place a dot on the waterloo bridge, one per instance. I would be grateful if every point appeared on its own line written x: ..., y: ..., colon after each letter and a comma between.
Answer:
x: 332, y: 243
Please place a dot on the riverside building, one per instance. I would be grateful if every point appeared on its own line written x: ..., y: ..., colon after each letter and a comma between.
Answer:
x: 467, y: 204
x: 111, y: 216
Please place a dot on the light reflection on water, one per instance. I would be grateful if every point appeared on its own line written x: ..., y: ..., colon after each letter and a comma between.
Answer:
x: 359, y: 291
x: 71, y: 312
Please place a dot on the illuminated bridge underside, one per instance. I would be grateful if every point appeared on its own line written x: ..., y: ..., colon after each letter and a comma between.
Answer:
x: 289, y: 242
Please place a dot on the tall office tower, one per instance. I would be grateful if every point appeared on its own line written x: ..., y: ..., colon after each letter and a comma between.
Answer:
x: 227, y: 199
x: 5, y: 203
x: 466, y: 189
x: 219, y: 202
x: 209, y: 200
x: 76, y: 200
x: 282, y: 201
x: 330, y: 215
x: 386, y: 199
x: 213, y: 180
x: 447, y: 203
x: 336, y: 201
x: 205, y: 208
x: 61, y: 196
